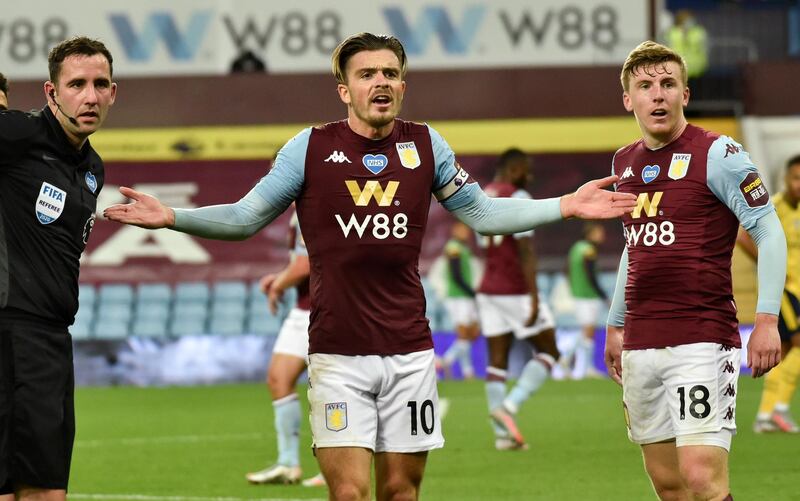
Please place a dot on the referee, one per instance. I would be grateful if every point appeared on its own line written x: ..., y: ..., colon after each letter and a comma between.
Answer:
x: 49, y: 181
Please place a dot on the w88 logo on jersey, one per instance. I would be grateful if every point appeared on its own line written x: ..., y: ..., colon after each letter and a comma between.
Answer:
x: 650, y: 234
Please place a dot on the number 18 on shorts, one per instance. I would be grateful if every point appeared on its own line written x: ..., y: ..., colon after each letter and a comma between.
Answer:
x: 686, y: 392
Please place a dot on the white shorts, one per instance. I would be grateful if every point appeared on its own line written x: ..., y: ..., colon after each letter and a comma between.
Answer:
x: 587, y: 311
x: 293, y: 336
x: 686, y: 393
x: 462, y: 310
x: 501, y: 314
x: 387, y: 404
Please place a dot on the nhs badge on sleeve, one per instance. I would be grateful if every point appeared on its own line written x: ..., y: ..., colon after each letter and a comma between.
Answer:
x: 679, y: 165
x: 409, y: 157
x: 336, y: 416
x: 50, y: 203
x: 91, y: 182
x: 375, y: 163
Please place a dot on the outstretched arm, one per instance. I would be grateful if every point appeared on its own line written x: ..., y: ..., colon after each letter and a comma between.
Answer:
x: 503, y: 216
x: 235, y: 221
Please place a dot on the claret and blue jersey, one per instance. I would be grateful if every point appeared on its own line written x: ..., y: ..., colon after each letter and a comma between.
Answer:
x: 363, y: 206
x: 692, y: 196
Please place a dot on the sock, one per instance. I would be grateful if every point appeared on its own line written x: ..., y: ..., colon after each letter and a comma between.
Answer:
x: 287, y: 427
x: 451, y: 354
x: 534, y: 374
x: 584, y: 357
x: 465, y: 357
x: 495, y: 394
x: 769, y: 395
x: 789, y: 375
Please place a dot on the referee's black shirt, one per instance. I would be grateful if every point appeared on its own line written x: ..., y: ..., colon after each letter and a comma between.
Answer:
x: 48, y: 197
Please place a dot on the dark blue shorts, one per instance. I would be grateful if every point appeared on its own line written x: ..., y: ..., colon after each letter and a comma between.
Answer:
x: 37, y: 413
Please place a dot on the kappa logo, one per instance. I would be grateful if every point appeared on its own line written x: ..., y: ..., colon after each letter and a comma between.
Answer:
x: 50, y: 203
x: 731, y: 149
x: 336, y: 416
x: 338, y: 157
x: 409, y: 156
x: 628, y: 172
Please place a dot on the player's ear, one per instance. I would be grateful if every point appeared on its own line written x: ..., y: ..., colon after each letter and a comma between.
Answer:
x: 344, y: 93
x: 626, y: 101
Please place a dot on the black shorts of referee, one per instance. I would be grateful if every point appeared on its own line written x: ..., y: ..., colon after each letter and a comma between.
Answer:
x: 37, y: 413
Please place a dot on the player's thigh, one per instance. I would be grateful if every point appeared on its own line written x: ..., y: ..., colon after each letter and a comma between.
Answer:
x: 545, y: 342
x: 499, y: 348
x: 661, y: 465
x: 284, y: 370
x: 704, y: 469
x: 341, y: 397
x: 293, y: 337
x: 345, y: 469
x: 408, y: 405
x: 43, y: 405
x: 645, y: 404
x: 399, y: 472
x: 700, y: 382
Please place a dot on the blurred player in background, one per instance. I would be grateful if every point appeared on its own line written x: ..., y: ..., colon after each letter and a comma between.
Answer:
x: 673, y: 339
x: 50, y: 177
x: 510, y: 306
x: 288, y: 362
x: 363, y: 187
x: 781, y: 382
x: 589, y: 298
x: 459, y: 300
x: 3, y: 92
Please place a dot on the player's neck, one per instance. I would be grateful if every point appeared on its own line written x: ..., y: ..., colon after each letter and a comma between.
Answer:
x: 654, y: 142
x: 790, y: 199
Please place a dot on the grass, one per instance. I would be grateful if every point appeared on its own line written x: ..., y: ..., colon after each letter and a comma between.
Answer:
x: 196, y: 443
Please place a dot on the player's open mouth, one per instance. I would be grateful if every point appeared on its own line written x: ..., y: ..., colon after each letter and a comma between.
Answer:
x: 382, y: 100
x: 659, y: 113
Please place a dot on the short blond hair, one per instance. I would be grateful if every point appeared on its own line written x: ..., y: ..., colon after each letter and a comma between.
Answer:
x: 650, y: 53
x: 361, y: 42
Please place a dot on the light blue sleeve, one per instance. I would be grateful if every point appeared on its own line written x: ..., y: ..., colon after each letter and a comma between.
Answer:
x: 446, y: 167
x: 728, y: 166
x: 266, y: 201
x: 468, y: 202
x: 771, y: 242
x: 616, y: 313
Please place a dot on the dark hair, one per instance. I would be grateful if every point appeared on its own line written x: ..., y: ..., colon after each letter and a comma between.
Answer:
x: 365, y: 41
x: 83, y: 46
x: 795, y: 160
x: 509, y: 156
x: 3, y: 84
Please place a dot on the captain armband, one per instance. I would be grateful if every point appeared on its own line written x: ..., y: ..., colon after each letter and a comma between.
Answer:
x: 455, y: 184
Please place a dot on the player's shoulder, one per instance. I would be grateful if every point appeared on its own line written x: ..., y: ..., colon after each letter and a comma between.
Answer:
x: 330, y: 128
x: 629, y: 149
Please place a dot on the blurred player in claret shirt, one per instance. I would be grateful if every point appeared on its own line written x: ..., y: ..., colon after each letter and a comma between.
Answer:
x: 511, y: 306
x: 363, y: 187
x: 781, y: 382
x: 672, y: 337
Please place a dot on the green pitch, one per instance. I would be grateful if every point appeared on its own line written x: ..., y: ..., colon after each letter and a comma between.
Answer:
x: 195, y: 444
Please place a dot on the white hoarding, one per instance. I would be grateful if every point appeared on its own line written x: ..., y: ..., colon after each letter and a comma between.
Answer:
x: 152, y: 37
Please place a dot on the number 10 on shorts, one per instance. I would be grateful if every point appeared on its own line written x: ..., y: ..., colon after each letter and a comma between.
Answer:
x: 424, y: 416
